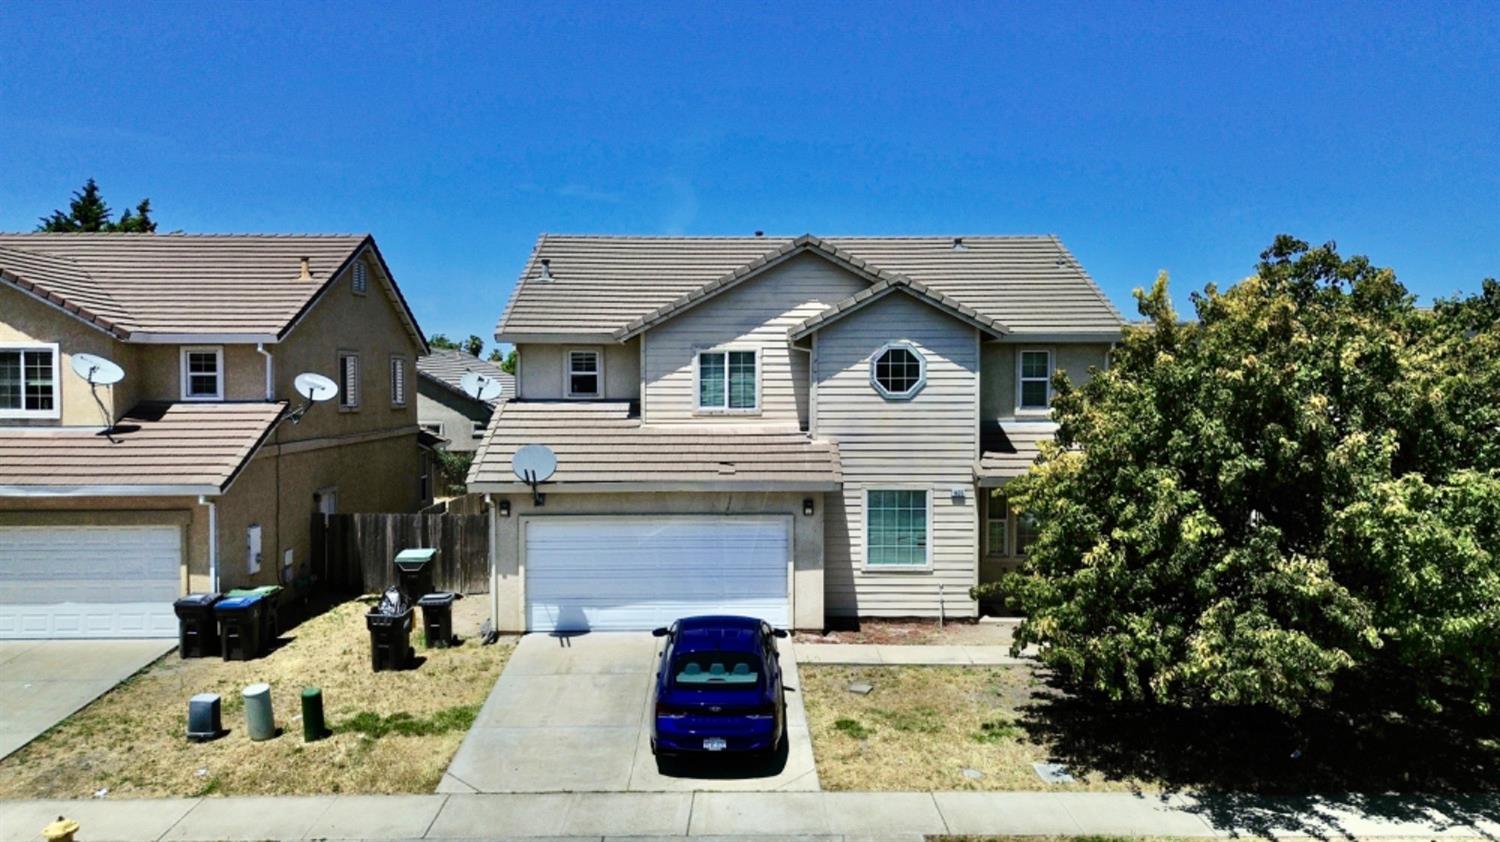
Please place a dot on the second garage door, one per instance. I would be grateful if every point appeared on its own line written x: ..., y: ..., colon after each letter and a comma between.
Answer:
x: 89, y: 581
x: 630, y: 573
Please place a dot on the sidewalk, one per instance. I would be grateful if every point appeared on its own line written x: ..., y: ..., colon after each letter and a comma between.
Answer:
x: 870, y: 655
x: 891, y: 816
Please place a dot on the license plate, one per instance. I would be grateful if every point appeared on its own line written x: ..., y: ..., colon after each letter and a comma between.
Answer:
x: 714, y: 744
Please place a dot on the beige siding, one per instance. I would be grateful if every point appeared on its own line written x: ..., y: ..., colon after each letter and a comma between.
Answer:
x: 25, y: 319
x: 928, y: 441
x: 1000, y: 370
x: 757, y: 315
x: 454, y: 416
x: 540, y: 374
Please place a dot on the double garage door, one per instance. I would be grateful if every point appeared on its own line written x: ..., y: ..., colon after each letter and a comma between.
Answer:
x: 639, y: 572
x: 89, y: 581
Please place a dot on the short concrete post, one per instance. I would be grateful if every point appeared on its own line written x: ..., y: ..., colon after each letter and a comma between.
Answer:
x: 260, y: 723
x: 61, y: 830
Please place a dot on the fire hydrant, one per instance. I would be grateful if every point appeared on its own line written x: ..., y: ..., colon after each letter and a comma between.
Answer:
x: 61, y: 830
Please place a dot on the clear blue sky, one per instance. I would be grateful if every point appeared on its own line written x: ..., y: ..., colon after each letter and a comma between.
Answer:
x: 1179, y: 136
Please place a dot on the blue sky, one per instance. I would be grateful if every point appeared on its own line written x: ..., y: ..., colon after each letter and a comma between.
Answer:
x: 1178, y: 136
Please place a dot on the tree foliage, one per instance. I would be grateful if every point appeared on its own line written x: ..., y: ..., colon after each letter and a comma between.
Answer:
x: 88, y: 213
x: 441, y: 340
x: 1298, y: 489
x: 509, y: 365
x: 473, y: 346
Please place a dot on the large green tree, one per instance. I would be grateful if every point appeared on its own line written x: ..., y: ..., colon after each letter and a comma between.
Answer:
x: 88, y: 213
x: 1296, y: 491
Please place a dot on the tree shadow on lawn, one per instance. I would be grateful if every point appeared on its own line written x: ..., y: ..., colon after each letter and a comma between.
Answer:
x: 1264, y: 773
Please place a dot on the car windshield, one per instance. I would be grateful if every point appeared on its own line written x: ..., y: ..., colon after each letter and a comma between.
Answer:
x: 714, y: 669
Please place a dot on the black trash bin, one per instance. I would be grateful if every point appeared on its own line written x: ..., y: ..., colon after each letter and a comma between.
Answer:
x: 197, y: 630
x: 389, y: 623
x: 414, y: 572
x: 270, y: 615
x: 437, y: 619
x: 240, y: 626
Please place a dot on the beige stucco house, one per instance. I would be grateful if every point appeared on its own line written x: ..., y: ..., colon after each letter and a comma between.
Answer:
x: 800, y: 428
x: 444, y: 409
x: 189, y: 474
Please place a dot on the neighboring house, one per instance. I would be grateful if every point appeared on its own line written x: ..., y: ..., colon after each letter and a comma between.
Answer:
x: 799, y: 429
x: 444, y: 409
x: 202, y: 480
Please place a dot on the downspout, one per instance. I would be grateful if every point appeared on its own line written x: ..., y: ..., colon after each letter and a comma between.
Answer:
x: 260, y: 348
x: 489, y: 507
x: 213, y: 542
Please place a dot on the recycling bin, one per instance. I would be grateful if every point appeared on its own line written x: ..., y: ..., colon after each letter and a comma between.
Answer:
x: 389, y: 624
x: 414, y: 572
x: 197, y: 630
x: 240, y: 626
x: 270, y: 615
x: 437, y: 619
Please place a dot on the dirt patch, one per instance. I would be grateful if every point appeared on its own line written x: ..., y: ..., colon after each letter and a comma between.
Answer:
x: 923, y: 728
x: 917, y: 632
x: 393, y: 732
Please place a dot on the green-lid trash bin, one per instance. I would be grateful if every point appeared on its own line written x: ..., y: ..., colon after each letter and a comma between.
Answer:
x: 270, y: 614
x: 414, y: 572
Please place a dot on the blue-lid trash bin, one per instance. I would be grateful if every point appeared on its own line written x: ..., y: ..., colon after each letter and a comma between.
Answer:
x: 240, y: 626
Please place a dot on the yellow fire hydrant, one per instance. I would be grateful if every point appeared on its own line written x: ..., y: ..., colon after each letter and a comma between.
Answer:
x: 61, y: 830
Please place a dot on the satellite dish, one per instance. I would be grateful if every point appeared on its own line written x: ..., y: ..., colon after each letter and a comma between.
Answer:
x: 314, y: 387
x: 97, y: 370
x: 534, y: 463
x: 480, y: 387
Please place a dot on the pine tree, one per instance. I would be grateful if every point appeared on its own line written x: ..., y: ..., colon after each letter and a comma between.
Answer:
x: 88, y: 213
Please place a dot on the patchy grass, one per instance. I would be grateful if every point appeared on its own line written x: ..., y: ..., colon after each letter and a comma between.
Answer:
x: 915, y: 632
x: 392, y: 732
x: 921, y: 727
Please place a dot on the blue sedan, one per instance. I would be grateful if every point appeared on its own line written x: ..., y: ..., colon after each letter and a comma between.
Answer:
x: 718, y: 688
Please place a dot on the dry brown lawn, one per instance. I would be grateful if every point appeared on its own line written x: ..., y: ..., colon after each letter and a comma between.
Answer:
x: 392, y: 731
x: 915, y: 632
x: 921, y: 727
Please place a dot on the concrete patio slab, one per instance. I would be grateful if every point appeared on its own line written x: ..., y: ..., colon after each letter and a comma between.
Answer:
x: 628, y: 814
x: 491, y: 816
x: 43, y: 682
x: 1025, y: 814
x: 758, y: 813
x: 505, y: 759
x: 250, y: 819
x: 120, y: 821
x: 377, y: 817
x: 883, y: 813
x: 1109, y: 813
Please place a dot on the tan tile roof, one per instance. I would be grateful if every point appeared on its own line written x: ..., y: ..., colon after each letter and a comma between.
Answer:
x: 156, y: 448
x: 446, y: 366
x: 133, y: 284
x: 1009, y: 450
x: 874, y: 293
x: 604, y: 446
x: 601, y: 285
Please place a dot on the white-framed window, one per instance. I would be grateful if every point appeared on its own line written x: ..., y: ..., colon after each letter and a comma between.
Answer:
x: 898, y: 371
x: 585, y: 373
x: 203, y: 373
x: 398, y: 380
x: 1033, y: 380
x: 728, y: 381
x: 29, y: 380
x: 435, y: 429
x: 997, y: 525
x: 898, y: 526
x: 359, y: 277
x: 348, y: 380
x: 479, y: 428
x: 1026, y: 532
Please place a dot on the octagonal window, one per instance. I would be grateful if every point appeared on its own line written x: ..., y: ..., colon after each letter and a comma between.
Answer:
x: 898, y: 370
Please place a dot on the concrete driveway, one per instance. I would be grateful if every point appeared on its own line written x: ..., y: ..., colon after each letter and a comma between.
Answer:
x: 42, y: 682
x: 571, y: 714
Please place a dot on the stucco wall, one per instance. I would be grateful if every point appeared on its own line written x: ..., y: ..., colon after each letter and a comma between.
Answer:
x: 807, y: 539
x: 456, y: 416
x: 24, y: 319
x: 540, y: 374
x: 999, y: 392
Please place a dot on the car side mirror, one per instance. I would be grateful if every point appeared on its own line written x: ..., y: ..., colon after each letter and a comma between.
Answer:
x: 661, y: 632
x: 778, y: 632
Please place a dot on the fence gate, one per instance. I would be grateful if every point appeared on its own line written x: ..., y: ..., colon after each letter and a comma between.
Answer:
x: 354, y: 552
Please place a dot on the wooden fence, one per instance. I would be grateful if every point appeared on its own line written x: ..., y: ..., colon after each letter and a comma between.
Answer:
x: 356, y: 552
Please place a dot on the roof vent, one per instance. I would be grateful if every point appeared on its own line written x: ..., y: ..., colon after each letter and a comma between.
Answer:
x: 958, y: 244
x: 546, y: 275
x: 306, y: 274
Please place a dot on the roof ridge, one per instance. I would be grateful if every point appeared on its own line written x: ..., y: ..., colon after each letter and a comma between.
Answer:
x: 596, y: 236
x: 57, y: 298
x: 1087, y: 278
x: 177, y: 235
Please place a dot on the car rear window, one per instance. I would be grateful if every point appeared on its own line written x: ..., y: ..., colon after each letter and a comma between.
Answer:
x: 715, y: 669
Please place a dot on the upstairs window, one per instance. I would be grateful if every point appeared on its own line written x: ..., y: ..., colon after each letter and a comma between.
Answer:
x: 728, y: 381
x: 584, y: 372
x: 203, y: 374
x: 898, y: 370
x: 360, y: 279
x: 348, y: 380
x: 1034, y: 389
x: 398, y: 381
x: 28, y: 381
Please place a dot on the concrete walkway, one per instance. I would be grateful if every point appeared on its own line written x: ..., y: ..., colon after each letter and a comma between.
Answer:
x: 873, y: 655
x: 811, y: 815
x: 42, y: 682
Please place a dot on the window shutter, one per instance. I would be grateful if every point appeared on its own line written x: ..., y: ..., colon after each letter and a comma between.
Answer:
x: 361, y: 280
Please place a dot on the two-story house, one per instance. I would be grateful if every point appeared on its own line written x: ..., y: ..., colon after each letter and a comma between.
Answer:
x: 444, y: 409
x: 798, y: 429
x: 190, y: 473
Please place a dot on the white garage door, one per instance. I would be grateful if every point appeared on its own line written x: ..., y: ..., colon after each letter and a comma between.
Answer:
x: 89, y: 581
x: 627, y: 573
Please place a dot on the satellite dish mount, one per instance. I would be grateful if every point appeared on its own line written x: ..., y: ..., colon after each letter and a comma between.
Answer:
x: 314, y: 388
x: 534, y: 464
x: 98, y: 371
x: 480, y: 387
